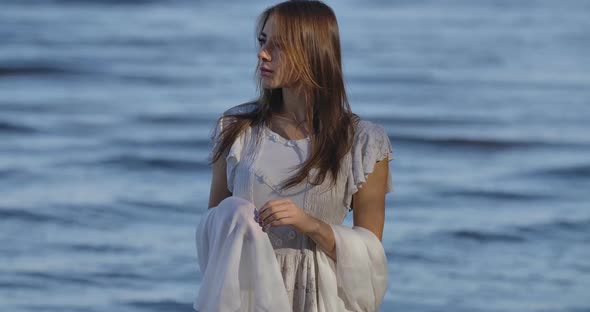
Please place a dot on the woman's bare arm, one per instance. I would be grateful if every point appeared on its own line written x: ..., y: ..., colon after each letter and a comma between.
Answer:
x: 219, y: 190
x: 369, y: 202
x: 369, y: 210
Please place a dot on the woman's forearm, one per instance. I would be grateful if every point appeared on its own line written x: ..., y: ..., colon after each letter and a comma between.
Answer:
x: 323, y: 236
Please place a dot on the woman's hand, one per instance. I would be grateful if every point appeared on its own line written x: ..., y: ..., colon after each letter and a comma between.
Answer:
x: 283, y: 211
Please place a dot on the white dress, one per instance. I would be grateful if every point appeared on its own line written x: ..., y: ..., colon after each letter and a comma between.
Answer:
x: 255, y: 173
x: 294, y: 251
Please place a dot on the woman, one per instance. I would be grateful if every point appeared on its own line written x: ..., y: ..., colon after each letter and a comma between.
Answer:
x: 290, y: 165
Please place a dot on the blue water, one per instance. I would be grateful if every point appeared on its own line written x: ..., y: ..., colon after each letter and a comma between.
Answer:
x: 106, y: 108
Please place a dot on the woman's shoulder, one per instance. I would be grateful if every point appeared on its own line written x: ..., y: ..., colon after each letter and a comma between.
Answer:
x: 241, y: 108
x: 366, y: 128
x: 371, y: 144
x: 371, y: 139
x: 225, y: 118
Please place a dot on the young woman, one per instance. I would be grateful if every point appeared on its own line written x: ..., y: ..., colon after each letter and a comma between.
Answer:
x: 290, y: 165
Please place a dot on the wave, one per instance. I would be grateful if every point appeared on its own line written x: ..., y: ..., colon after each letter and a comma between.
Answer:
x: 12, y: 285
x: 97, y: 248
x: 413, y: 79
x: 573, y: 171
x: 10, y: 173
x: 159, y: 80
x: 485, y: 237
x: 74, y: 215
x: 90, y: 2
x: 161, y: 305
x: 173, y: 119
x: 522, y: 234
x: 24, y: 107
x: 157, y: 206
x: 144, y: 162
x: 478, y: 143
x: 67, y: 277
x: 7, y: 127
x: 580, y: 226
x: 434, y: 121
x: 33, y: 70
x: 497, y: 195
x: 171, y: 143
x: 501, y: 83
x: 27, y: 216
x: 417, y: 256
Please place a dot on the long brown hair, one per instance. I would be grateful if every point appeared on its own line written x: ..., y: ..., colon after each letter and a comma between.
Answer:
x: 306, y: 33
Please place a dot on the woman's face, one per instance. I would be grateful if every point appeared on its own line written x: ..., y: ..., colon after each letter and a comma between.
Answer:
x: 270, y: 69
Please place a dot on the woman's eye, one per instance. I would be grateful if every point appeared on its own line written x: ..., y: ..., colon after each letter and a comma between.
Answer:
x: 261, y: 41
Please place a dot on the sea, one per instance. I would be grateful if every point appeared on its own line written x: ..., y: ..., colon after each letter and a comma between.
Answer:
x: 106, y: 107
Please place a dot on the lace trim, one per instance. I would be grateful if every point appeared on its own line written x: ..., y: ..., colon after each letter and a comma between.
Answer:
x: 371, y: 145
x: 278, y: 138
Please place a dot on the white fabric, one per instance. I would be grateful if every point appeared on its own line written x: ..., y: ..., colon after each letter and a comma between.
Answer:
x: 358, y: 280
x: 240, y: 272
x: 232, y: 156
x: 237, y: 261
x: 371, y: 144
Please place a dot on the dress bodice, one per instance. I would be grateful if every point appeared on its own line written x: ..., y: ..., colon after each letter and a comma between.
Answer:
x: 257, y: 168
x: 251, y: 163
x: 276, y: 161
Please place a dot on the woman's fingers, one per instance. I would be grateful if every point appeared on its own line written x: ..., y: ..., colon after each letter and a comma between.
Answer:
x: 272, y: 213
x: 263, y: 215
x: 275, y: 218
x: 274, y: 203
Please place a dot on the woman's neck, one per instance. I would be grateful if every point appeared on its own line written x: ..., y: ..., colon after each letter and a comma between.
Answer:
x: 293, y: 104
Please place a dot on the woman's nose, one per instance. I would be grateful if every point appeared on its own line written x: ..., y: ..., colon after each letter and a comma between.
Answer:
x: 263, y: 55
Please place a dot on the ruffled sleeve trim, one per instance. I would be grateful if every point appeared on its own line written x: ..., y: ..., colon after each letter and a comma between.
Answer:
x: 214, y: 138
x: 233, y: 154
x: 232, y: 160
x: 371, y: 144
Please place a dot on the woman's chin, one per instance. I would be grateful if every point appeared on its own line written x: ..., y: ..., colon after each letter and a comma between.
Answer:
x: 268, y: 84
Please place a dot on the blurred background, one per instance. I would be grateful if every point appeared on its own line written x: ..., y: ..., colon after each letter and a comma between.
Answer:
x: 106, y: 107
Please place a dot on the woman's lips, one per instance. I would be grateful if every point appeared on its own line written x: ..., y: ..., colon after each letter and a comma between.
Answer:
x: 265, y: 72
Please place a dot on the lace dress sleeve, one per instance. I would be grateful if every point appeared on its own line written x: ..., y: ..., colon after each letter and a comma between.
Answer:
x: 232, y: 155
x: 371, y: 144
